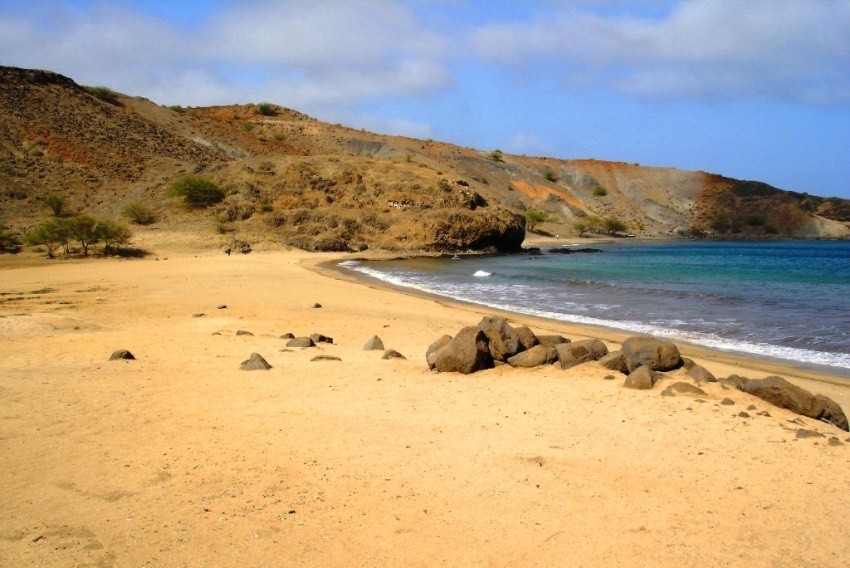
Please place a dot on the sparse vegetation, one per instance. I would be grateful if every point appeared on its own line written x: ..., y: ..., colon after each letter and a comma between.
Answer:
x: 496, y: 156
x: 599, y: 191
x: 9, y: 241
x: 178, y: 109
x: 533, y: 219
x: 139, y: 213
x: 56, y: 203
x: 613, y: 225
x: 549, y: 174
x: 266, y: 109
x: 104, y: 94
x: 197, y: 192
x: 590, y: 224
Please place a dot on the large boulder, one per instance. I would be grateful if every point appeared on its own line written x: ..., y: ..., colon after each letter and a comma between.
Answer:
x: 656, y: 354
x: 577, y: 352
x: 615, y: 361
x: 642, y: 378
x: 551, y: 340
x: 534, y: 357
x: 466, y: 353
x: 503, y: 339
x: 431, y: 352
x: 526, y: 337
x: 782, y: 393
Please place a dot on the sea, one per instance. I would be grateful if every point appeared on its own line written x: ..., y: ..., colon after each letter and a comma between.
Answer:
x: 787, y: 301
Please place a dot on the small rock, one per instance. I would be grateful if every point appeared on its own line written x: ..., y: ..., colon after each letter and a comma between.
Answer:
x: 317, y: 305
x: 243, y: 332
x: 374, y: 344
x: 392, y: 354
x: 199, y: 315
x: 255, y: 363
x: 325, y: 358
x: 609, y: 378
x: 743, y: 414
x: 764, y: 413
x: 727, y: 401
x: 805, y: 433
x: 834, y: 441
x: 751, y: 407
x: 287, y: 336
x: 222, y: 307
x: 682, y: 388
x: 300, y: 342
x: 122, y: 354
x: 319, y: 338
x: 641, y: 378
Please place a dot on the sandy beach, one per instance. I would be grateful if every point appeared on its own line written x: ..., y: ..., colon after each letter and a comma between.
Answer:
x: 179, y: 458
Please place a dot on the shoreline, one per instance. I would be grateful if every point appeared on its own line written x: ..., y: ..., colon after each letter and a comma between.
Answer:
x: 611, y: 335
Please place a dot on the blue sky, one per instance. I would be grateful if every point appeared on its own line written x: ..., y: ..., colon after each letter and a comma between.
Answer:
x: 751, y: 89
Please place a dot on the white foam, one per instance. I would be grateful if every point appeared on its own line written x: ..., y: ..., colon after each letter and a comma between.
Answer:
x: 482, y: 274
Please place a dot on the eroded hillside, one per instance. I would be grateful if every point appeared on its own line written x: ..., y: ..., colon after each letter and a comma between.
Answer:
x: 292, y: 180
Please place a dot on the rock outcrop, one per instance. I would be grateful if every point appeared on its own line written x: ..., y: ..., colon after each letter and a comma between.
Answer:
x: 780, y: 392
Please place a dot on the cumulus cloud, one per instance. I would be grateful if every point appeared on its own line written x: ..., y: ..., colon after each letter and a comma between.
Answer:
x: 778, y: 49
x: 300, y: 53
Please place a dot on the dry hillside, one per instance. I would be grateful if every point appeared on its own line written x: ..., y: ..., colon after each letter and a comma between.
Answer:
x: 292, y: 180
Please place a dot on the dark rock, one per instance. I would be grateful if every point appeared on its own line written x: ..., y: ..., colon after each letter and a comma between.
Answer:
x: 392, y: 354
x: 656, y: 354
x: 434, y: 347
x: 551, y: 340
x: 641, y: 378
x: 700, y: 374
x: 503, y: 339
x: 255, y: 363
x: 727, y: 402
x: 534, y: 357
x: 239, y: 246
x: 316, y: 305
x: 526, y: 337
x: 734, y: 381
x: 764, y: 413
x: 615, y: 361
x: 222, y: 307
x: 287, y: 336
x: 319, y: 338
x: 325, y: 358
x: 573, y: 250
x: 467, y: 352
x: 300, y: 342
x: 199, y: 315
x: 782, y: 393
x: 833, y: 441
x: 374, y: 344
x: 803, y: 433
x: 609, y: 378
x: 743, y: 414
x: 243, y: 332
x: 122, y: 354
x: 577, y: 352
x: 682, y: 388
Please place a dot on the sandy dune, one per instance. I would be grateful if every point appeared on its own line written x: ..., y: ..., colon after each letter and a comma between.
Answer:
x: 180, y: 459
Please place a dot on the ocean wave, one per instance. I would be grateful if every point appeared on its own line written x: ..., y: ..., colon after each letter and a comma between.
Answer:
x: 482, y: 274
x: 660, y: 328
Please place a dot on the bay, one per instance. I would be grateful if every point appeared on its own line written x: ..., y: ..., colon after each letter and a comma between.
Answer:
x: 784, y: 300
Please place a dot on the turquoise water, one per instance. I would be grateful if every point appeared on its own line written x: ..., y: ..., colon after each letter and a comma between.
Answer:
x: 783, y: 300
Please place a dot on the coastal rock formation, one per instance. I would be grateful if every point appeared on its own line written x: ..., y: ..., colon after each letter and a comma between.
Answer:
x: 642, y: 378
x: 551, y: 340
x: 432, y: 350
x: 503, y: 339
x: 577, y: 352
x: 779, y: 392
x: 657, y: 355
x: 526, y: 337
x: 534, y: 357
x: 616, y: 361
x: 467, y: 352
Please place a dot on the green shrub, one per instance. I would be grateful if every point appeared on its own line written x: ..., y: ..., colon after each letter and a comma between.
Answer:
x: 105, y: 94
x: 496, y: 156
x: 549, y: 174
x: 9, y: 241
x: 56, y: 203
x: 534, y: 218
x: 178, y: 109
x: 51, y: 234
x: 266, y: 109
x: 600, y: 191
x: 139, y: 213
x: 196, y: 191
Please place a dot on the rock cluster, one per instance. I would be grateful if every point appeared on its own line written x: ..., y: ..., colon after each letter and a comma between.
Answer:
x: 643, y: 360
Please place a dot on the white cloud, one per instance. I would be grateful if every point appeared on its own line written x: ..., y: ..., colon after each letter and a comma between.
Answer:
x: 300, y: 53
x: 784, y: 49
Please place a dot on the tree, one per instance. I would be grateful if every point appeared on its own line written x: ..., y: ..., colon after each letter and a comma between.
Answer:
x: 56, y: 203
x: 196, y: 191
x: 82, y: 230
x: 533, y: 218
x: 614, y: 225
x: 111, y: 233
x: 50, y: 234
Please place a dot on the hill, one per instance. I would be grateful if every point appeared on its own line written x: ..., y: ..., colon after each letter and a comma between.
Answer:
x: 292, y: 180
